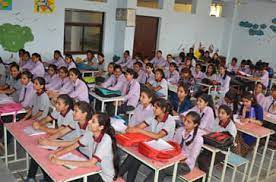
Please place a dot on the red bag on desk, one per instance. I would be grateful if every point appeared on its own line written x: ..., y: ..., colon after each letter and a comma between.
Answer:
x: 131, y: 139
x: 10, y: 107
x: 160, y: 155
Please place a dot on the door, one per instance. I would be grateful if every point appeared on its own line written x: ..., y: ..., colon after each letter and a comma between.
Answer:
x: 145, y: 36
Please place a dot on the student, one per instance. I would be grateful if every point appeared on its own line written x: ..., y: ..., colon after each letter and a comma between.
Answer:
x: 144, y: 110
x: 158, y: 61
x: 182, y: 103
x: 145, y: 61
x: 186, y: 78
x: 223, y: 123
x: 27, y: 92
x: 250, y: 112
x: 138, y: 58
x: 138, y: 68
x: 231, y: 100
x: 13, y: 85
x: 2, y: 73
x: 162, y: 125
x: 233, y: 67
x: 28, y: 61
x: 117, y: 81
x: 51, y: 75
x: 110, y: 70
x: 38, y: 69
x: 197, y: 73
x: 40, y: 102
x: 100, y: 65
x: 258, y: 93
x: 181, y: 58
x: 169, y: 61
x: 244, y: 67
x: 224, y: 80
x: 150, y: 77
x: 204, y: 107
x: 172, y: 75
x: 211, y: 72
x: 191, y: 143
x: 125, y: 61
x: 99, y: 145
x: 215, y: 59
x: 264, y: 77
x: 270, y: 102
x: 206, y: 58
x: 80, y: 89
x: 160, y: 86
x: 57, y: 60
x: 21, y: 57
x: 90, y: 58
x: 71, y: 126
x: 70, y: 61
x: 188, y: 64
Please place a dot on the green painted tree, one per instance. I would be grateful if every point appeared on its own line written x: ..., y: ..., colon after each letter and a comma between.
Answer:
x: 14, y: 37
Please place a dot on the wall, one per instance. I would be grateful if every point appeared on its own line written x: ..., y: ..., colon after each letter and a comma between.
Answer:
x: 255, y: 47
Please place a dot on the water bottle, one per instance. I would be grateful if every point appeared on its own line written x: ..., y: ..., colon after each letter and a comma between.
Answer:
x: 252, y: 114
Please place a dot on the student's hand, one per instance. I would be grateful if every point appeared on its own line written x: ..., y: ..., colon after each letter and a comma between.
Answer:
x: 57, y: 161
x: 43, y: 141
x: 22, y: 120
x: 245, y: 120
x: 132, y: 130
x: 36, y: 125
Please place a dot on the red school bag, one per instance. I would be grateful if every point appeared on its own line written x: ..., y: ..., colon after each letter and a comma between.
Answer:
x: 159, y: 155
x: 131, y: 139
x: 9, y: 107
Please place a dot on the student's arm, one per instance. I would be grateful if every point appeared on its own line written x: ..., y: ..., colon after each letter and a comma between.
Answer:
x: 37, y: 115
x: 60, y: 132
x: 8, y: 91
x: 140, y: 129
x: 57, y: 143
x: 157, y: 88
x: 4, y: 87
x: 27, y: 116
x: 66, y: 149
x: 84, y: 164
x: 44, y: 128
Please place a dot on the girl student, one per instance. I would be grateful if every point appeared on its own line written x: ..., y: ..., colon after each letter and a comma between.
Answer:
x: 27, y: 92
x: 197, y: 73
x: 173, y: 74
x: 144, y: 109
x: 57, y: 60
x: 28, y: 61
x: 100, y: 65
x: 191, y: 143
x: 13, y: 85
x: 150, y: 77
x: 38, y: 69
x: 80, y: 89
x: 204, y: 107
x: 224, y: 122
x: 186, y: 77
x: 70, y: 61
x: 51, y: 76
x: 160, y: 86
x: 258, y: 93
x: 211, y: 72
x: 231, y: 100
x: 270, y: 102
x: 182, y: 103
x: 40, y: 101
x: 224, y: 80
x: 99, y: 145
x: 138, y: 68
x: 162, y: 125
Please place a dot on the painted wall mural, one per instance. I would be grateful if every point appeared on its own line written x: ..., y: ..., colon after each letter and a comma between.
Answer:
x: 14, y: 37
x: 6, y: 5
x: 258, y: 29
x: 44, y: 6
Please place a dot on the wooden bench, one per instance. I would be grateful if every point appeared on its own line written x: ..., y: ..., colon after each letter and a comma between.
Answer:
x: 194, y: 175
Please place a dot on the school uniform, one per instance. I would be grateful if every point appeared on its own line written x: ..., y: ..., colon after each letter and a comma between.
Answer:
x: 150, y: 78
x: 93, y: 61
x: 80, y: 91
x: 230, y: 127
x: 172, y: 77
x: 158, y: 62
x: 15, y: 84
x: 230, y: 105
x: 99, y: 148
x: 59, y: 62
x: 198, y: 76
x: 40, y: 103
x: 212, y: 77
x: 2, y: 74
x: 100, y: 67
x: 270, y: 105
x: 71, y: 65
x: 163, y: 92
x: 38, y: 70
x: 64, y: 86
x: 183, y: 106
x: 114, y: 83
x: 28, y: 65
x: 132, y: 93
x: 131, y: 165
x: 224, y: 83
x: 265, y: 78
x: 141, y: 114
x: 125, y: 62
x: 189, y: 82
x: 207, y: 117
x: 26, y: 95
x: 141, y: 77
x: 49, y: 79
x: 260, y: 99
x: 234, y: 68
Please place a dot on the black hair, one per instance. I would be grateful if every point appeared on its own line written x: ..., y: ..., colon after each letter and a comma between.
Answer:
x: 182, y: 56
x: 227, y: 109
x: 85, y: 107
x: 138, y: 64
x: 127, y: 52
x: 232, y: 95
x: 53, y: 66
x: 260, y: 83
x: 214, y: 69
x: 164, y: 105
x: 16, y: 66
x: 235, y: 59
x: 208, y: 98
x: 69, y: 56
x: 21, y: 51
x: 118, y: 67
x: 101, y: 54
x: 41, y: 81
x: 196, y: 120
x: 185, y: 87
x: 1, y: 61
x: 159, y: 51
x: 89, y: 51
x: 198, y: 64
x: 174, y: 65
x: 28, y: 74
x: 67, y: 100
x: 27, y: 53
x: 161, y: 72
x: 78, y: 73
x: 244, y: 62
x: 150, y: 65
x: 226, y: 72
x: 63, y: 68
x: 273, y: 88
x: 132, y: 72
x: 149, y: 93
x: 58, y: 52
x: 251, y: 97
x: 37, y: 56
x: 104, y: 120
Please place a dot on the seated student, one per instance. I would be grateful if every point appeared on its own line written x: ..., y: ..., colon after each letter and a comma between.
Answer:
x: 197, y: 73
x: 51, y: 75
x: 169, y: 60
x: 144, y: 110
x: 160, y: 85
x: 186, y: 78
x: 150, y: 76
x: 138, y: 58
x: 21, y: 57
x: 204, y: 107
x: 191, y: 143
x: 57, y: 60
x: 13, y: 85
x: 270, y: 102
x: 224, y: 80
x: 125, y: 61
x: 110, y: 71
x: 158, y: 61
x: 90, y: 59
x: 99, y: 145
x: 71, y: 126
x: 138, y: 68
x: 27, y: 92
x: 115, y: 81
x: 187, y: 64
x: 28, y: 63
x: 80, y: 89
x: 233, y: 67
x: 70, y: 63
x: 206, y: 57
x: 38, y: 69
x: 264, y: 77
x: 250, y: 112
x: 211, y: 72
x: 231, y: 100
x: 2, y: 73
x: 162, y: 125
x: 145, y: 62
x: 258, y: 93
x: 223, y: 123
x: 215, y: 59
x: 40, y: 101
x: 244, y: 67
x: 182, y: 103
x: 100, y: 64
x: 180, y: 58
x: 172, y: 75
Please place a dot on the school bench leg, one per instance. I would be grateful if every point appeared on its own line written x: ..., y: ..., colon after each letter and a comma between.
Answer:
x: 244, y: 172
x: 234, y: 173
x: 263, y: 157
x: 211, y: 166
x: 225, y: 166
x: 270, y: 164
x: 156, y: 174
x: 253, y: 159
x: 6, y: 145
x: 174, y: 171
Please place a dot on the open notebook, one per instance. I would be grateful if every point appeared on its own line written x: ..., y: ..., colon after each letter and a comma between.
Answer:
x: 159, y: 144
x: 71, y: 157
x: 48, y: 147
x: 118, y: 125
x: 30, y: 131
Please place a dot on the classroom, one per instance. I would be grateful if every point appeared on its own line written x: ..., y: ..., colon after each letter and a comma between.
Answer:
x: 137, y: 90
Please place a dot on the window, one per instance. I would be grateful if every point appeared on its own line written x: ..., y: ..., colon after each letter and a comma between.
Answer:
x: 83, y: 31
x: 183, y: 6
x: 149, y: 4
x: 216, y: 8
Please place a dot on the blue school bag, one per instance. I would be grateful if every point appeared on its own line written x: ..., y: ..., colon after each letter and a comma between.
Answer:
x: 103, y: 92
x: 82, y: 66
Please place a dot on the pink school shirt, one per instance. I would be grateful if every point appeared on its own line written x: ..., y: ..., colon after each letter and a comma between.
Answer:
x: 114, y: 83
x: 141, y: 114
x: 132, y: 93
x: 38, y: 70
x: 80, y: 91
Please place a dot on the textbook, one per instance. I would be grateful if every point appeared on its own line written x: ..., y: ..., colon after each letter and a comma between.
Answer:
x: 118, y: 124
x: 71, y: 157
x: 30, y: 131
x: 48, y: 147
x: 160, y: 145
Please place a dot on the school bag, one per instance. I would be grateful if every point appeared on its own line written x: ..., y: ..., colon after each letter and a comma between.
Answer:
x: 222, y: 140
x: 160, y: 155
x: 103, y: 92
x: 131, y: 139
x: 89, y: 80
x: 83, y: 66
x: 10, y: 107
